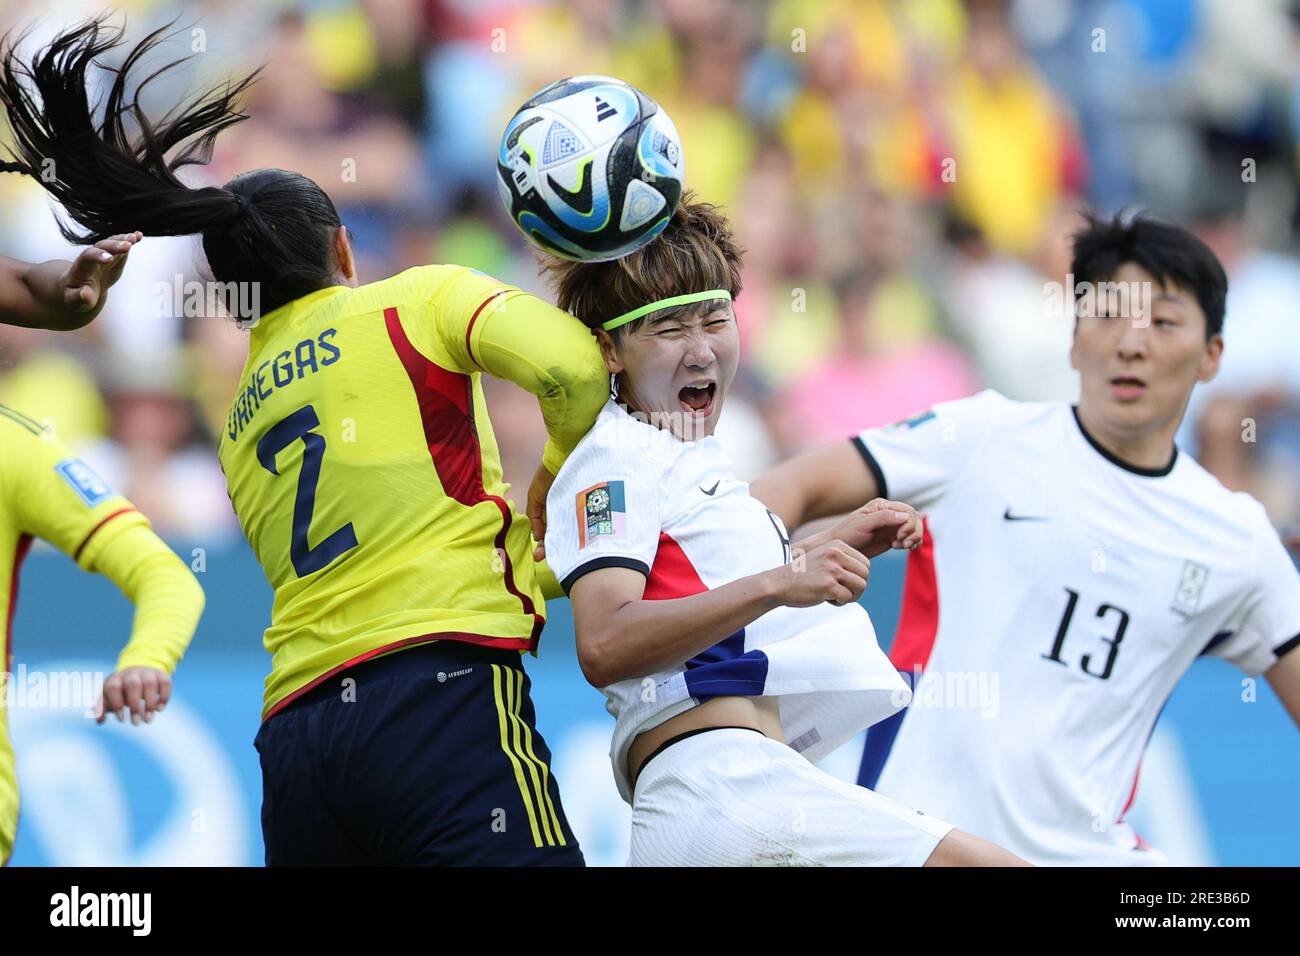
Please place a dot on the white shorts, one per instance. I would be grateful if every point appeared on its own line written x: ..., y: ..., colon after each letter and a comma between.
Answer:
x: 732, y: 797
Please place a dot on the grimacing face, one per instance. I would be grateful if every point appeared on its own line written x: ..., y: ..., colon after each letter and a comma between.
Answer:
x: 1137, y: 371
x: 676, y: 367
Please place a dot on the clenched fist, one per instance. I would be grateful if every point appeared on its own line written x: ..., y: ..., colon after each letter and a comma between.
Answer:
x: 832, y: 571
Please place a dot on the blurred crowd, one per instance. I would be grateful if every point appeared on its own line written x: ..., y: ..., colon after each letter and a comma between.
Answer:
x: 904, y: 176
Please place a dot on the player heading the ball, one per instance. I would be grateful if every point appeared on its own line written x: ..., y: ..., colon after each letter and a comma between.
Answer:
x: 729, y: 660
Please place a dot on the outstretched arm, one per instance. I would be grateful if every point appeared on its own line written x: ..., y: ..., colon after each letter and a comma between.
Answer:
x: 826, y: 481
x: 58, y: 294
x: 872, y: 529
x: 55, y: 496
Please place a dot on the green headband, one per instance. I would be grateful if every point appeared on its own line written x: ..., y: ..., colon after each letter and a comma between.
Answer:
x: 635, y: 314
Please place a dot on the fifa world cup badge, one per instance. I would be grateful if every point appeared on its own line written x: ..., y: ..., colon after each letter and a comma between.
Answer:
x: 601, y: 513
x: 1188, y: 596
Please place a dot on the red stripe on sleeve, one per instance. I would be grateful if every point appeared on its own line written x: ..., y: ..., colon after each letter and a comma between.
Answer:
x: 76, y: 555
x: 469, y: 329
x: 24, y: 545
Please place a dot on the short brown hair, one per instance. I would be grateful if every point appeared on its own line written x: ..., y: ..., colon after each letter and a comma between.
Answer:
x: 696, y: 252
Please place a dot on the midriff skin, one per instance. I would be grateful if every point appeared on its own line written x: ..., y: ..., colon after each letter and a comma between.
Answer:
x: 759, y: 713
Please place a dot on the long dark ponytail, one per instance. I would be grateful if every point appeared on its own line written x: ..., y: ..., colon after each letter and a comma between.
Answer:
x: 268, y: 226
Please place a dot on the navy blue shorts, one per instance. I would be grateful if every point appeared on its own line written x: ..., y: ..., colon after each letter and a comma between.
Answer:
x: 428, y: 756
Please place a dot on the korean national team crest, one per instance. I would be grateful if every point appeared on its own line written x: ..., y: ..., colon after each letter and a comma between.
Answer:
x: 602, y: 512
x: 1188, y: 596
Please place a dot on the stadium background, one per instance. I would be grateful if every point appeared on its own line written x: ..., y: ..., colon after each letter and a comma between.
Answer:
x: 904, y: 177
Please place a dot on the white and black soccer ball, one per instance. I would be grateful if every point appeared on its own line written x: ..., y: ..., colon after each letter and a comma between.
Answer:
x: 590, y: 168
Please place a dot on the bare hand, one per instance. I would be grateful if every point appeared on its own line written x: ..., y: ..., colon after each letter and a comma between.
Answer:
x: 95, y: 270
x: 879, y: 525
x: 138, y: 691
x: 833, y: 572
x: 537, y: 492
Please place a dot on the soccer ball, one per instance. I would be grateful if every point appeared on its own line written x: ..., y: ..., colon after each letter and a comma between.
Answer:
x: 590, y: 168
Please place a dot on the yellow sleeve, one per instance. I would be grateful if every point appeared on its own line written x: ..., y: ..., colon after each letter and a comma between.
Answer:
x: 56, y: 496
x: 546, y: 579
x: 488, y: 326
x: 167, y: 597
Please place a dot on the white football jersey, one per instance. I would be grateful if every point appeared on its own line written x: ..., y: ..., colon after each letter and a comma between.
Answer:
x: 1057, y: 598
x: 634, y: 496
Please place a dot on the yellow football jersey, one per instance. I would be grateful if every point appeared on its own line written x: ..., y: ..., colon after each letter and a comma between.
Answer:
x: 366, y: 476
x: 45, y: 492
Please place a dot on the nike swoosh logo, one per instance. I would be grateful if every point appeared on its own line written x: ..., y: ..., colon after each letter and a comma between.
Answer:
x: 580, y: 200
x: 713, y: 489
x: 1008, y: 516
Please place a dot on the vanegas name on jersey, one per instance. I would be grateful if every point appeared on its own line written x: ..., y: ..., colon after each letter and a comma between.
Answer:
x: 285, y: 369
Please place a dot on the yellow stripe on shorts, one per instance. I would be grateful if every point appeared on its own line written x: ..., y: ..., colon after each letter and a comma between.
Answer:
x: 513, y: 695
x: 547, y: 804
x: 497, y: 680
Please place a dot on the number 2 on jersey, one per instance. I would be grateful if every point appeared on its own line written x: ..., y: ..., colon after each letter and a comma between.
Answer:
x: 278, y: 437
